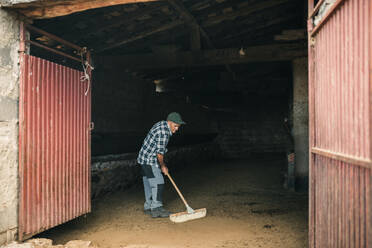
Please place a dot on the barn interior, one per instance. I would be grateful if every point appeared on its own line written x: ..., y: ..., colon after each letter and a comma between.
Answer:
x: 236, y: 72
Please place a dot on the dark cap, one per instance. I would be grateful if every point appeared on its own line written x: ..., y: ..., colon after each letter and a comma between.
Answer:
x: 176, y: 118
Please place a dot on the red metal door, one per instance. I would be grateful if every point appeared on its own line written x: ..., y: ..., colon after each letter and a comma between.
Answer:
x: 54, y: 147
x: 340, y: 95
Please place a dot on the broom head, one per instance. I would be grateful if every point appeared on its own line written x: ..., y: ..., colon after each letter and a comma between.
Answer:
x: 185, y: 216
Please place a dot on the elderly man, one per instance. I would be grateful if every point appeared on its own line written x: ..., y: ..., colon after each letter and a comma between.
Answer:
x: 151, y: 159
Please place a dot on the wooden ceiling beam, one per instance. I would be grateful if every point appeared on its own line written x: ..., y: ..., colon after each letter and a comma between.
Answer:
x: 142, y: 35
x: 113, y: 23
x: 39, y: 9
x: 180, y: 7
x: 195, y: 43
x: 250, y: 9
x: 293, y: 34
x: 260, y: 26
x: 265, y: 53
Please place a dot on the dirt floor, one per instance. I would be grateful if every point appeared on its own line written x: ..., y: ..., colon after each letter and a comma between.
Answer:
x: 246, y: 203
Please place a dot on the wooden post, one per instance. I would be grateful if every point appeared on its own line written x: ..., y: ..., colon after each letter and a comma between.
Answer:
x: 195, y: 43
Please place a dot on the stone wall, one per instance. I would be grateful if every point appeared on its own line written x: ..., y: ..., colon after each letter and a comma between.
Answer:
x: 239, y: 139
x: 258, y: 128
x: 117, y: 172
x: 112, y: 173
x: 9, y: 93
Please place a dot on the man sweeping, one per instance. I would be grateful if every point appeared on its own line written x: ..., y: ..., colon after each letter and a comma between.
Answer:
x: 151, y: 159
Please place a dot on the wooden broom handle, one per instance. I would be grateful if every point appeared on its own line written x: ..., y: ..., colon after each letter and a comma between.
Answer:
x: 178, y: 191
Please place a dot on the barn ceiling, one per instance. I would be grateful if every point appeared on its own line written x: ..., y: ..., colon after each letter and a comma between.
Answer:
x: 168, y: 25
x: 173, y: 38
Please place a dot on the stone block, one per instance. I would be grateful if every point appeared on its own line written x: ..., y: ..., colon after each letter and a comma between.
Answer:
x: 9, y: 28
x: 8, y: 109
x: 9, y: 93
x: 5, y: 59
x: 3, y: 238
x: 3, y: 219
x: 8, y: 175
x: 18, y: 245
x: 9, y: 57
x: 8, y: 84
x: 8, y: 236
x: 41, y: 243
x: 8, y: 215
x: 80, y: 244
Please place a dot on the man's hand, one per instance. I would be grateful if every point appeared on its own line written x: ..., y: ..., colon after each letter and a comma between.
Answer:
x: 164, y: 169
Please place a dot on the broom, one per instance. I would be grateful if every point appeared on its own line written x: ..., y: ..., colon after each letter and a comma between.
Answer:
x: 189, y: 214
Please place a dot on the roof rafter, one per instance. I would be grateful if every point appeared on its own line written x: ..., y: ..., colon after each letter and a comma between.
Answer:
x: 191, y: 19
x: 143, y: 35
x: 178, y: 5
x: 115, y: 23
x: 54, y: 8
x: 250, y: 9
x: 264, y: 53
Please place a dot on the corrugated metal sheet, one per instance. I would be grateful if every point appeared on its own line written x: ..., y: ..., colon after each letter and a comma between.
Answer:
x: 54, y: 147
x: 340, y: 126
x: 342, y: 192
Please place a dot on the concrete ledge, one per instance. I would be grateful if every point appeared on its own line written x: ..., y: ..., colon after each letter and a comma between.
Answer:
x: 112, y: 173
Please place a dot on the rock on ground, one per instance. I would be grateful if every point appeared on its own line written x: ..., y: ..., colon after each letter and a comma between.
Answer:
x: 48, y: 243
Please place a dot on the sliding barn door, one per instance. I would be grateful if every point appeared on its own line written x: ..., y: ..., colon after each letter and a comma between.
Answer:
x: 340, y: 48
x: 54, y: 145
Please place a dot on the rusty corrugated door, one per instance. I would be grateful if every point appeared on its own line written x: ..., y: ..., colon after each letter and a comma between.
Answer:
x: 340, y: 96
x: 54, y: 147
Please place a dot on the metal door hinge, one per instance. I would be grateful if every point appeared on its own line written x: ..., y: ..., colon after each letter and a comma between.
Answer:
x: 312, y: 41
x: 91, y: 126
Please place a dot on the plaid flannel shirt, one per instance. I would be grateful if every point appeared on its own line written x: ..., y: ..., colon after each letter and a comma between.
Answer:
x: 155, y: 143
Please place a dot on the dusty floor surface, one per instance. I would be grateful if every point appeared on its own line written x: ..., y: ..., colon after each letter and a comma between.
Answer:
x: 246, y: 205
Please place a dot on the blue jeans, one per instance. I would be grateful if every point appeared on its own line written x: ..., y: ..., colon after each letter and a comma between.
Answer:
x: 153, y: 183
